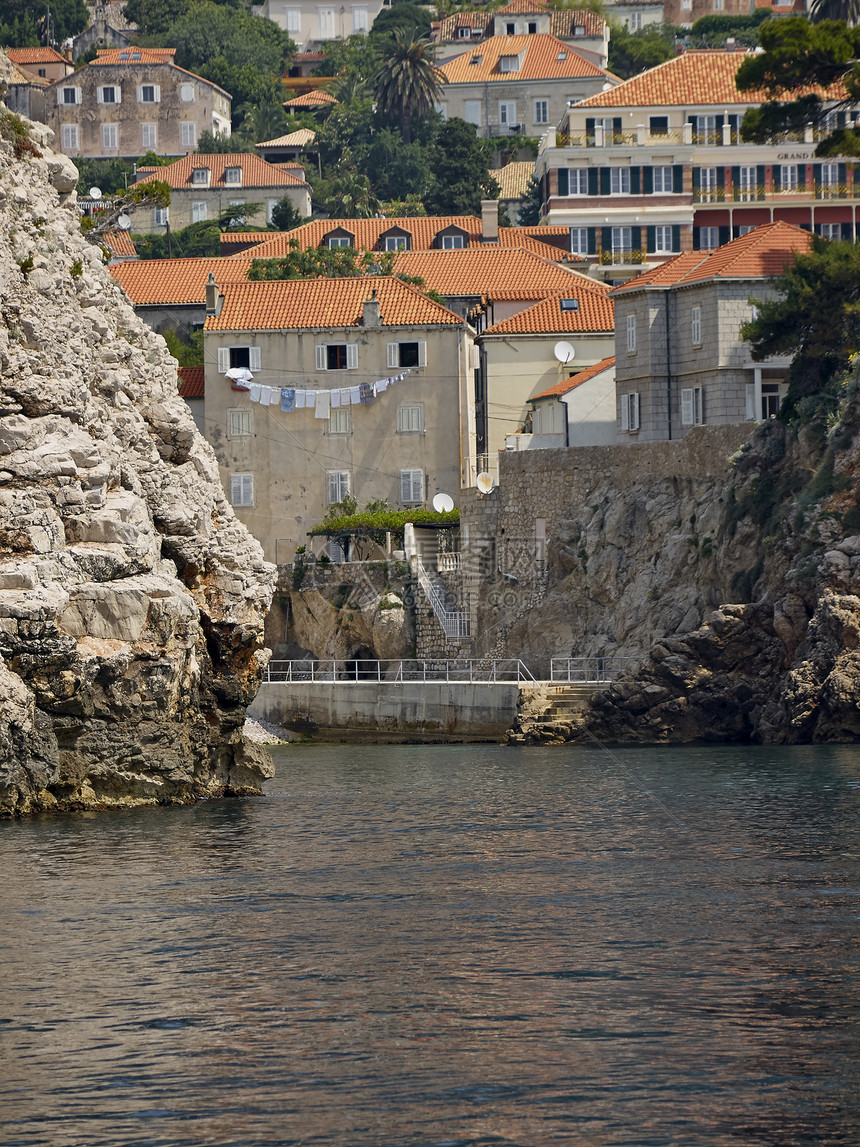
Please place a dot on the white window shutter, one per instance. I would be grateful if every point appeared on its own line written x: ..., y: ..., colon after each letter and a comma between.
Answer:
x: 157, y: 92
x: 100, y: 95
x: 333, y: 486
x: 117, y: 94
x: 475, y: 356
x: 422, y: 353
x: 223, y: 359
x: 351, y: 356
x: 405, y: 485
x: 699, y: 404
x: 320, y: 355
x: 634, y: 411
x: 687, y: 406
x: 750, y: 402
x: 140, y: 93
x: 254, y: 360
x: 393, y: 354
x: 625, y: 412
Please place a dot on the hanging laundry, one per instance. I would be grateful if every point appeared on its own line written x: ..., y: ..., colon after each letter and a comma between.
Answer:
x: 255, y: 392
x: 346, y: 397
x: 365, y: 394
x: 239, y: 375
x: 322, y: 407
x: 382, y: 386
x: 335, y: 399
x: 355, y: 394
x: 288, y: 400
x: 301, y: 399
x: 265, y: 395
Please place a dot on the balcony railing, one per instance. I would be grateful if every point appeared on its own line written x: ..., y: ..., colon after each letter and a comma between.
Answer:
x: 622, y: 256
x: 734, y: 193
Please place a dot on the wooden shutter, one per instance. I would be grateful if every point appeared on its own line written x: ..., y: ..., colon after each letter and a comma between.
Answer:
x: 801, y: 176
x: 422, y: 353
x: 725, y: 235
x: 687, y: 406
x: 697, y: 239
x: 636, y: 238
x: 676, y: 236
x: 846, y: 231
x: 647, y: 180
x: 759, y: 179
x: 697, y: 178
x: 593, y: 181
x: 605, y: 181
x: 776, y: 177
x: 721, y: 171
x: 719, y: 121
x: 736, y: 178
x: 320, y: 356
x: 393, y: 354
x: 616, y: 125
x: 678, y: 178
x: 750, y: 402
x: 592, y: 240
x: 625, y: 411
x: 606, y: 238
x: 635, y: 182
x: 242, y: 489
x: 634, y: 411
x: 563, y: 181
x: 351, y: 356
x: 223, y: 359
x: 816, y: 173
x: 842, y: 173
x: 651, y: 237
x: 254, y: 358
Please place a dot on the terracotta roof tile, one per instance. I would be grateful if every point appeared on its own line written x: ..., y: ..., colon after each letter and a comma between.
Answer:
x: 191, y: 382
x: 448, y: 27
x: 513, y: 178
x: 595, y: 312
x: 497, y: 273
x: 20, y: 75
x: 120, y: 243
x: 565, y: 23
x: 177, y: 282
x: 575, y: 380
x: 310, y: 99
x: 307, y: 57
x: 522, y: 8
x: 132, y: 55
x: 695, y: 79
x: 543, y: 58
x: 314, y: 304
x: 300, y: 138
x: 36, y: 56
x: 256, y: 172
x: 760, y: 254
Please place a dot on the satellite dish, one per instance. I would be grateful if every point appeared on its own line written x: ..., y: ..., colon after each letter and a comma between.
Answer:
x: 124, y: 222
x: 442, y: 503
x: 485, y: 483
x: 564, y: 352
x: 95, y: 193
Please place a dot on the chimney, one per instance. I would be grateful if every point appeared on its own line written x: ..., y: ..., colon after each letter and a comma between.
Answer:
x: 213, y: 296
x: 370, y: 313
x: 489, y: 221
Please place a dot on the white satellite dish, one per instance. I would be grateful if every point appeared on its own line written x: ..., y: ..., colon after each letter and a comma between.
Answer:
x: 442, y: 503
x: 564, y: 352
x: 124, y: 222
x: 485, y: 483
x: 95, y: 193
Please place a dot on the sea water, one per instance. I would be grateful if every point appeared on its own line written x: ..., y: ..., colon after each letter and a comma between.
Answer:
x: 445, y: 945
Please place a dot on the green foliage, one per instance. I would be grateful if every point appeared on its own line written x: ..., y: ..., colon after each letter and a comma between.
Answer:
x: 633, y: 52
x: 263, y: 122
x: 155, y: 17
x: 284, y: 215
x: 27, y: 23
x: 713, y: 31
x: 377, y: 523
x: 200, y: 239
x: 531, y: 208
x: 400, y: 169
x: 410, y: 20
x: 408, y: 82
x: 186, y: 353
x: 322, y: 262
x: 211, y: 144
x: 408, y: 207
x: 460, y: 163
x: 112, y: 176
x: 816, y: 320
x: 14, y: 130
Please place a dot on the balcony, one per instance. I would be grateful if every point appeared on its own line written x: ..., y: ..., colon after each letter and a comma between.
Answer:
x: 734, y: 193
x: 619, y: 256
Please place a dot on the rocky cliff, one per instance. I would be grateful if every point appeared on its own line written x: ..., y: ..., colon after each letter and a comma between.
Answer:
x: 131, y: 600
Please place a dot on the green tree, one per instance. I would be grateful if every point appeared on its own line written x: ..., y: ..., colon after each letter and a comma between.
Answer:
x: 284, y: 215
x: 531, y: 207
x: 262, y: 122
x: 109, y: 175
x: 32, y: 22
x: 154, y: 17
x: 847, y: 10
x: 634, y: 52
x: 408, y: 82
x: 397, y: 169
x: 188, y: 353
x: 461, y: 171
x: 322, y: 262
x: 200, y: 239
x: 816, y: 319
x: 211, y: 144
x: 411, y: 20
x: 713, y: 31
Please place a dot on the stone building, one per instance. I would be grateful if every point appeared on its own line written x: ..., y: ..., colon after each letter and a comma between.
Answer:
x: 701, y: 371
x: 312, y: 24
x: 44, y: 63
x: 129, y: 101
x: 586, y: 31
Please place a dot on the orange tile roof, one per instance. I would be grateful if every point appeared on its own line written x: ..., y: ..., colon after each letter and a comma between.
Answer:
x: 544, y: 58
x: 36, y: 56
x: 760, y: 254
x: 575, y: 380
x: 695, y: 79
x: 315, y: 304
x: 596, y: 312
x: 422, y: 228
x: 191, y: 382
x: 522, y: 8
x: 120, y: 243
x: 20, y: 75
x: 306, y: 57
x: 256, y: 172
x: 498, y: 273
x: 176, y: 282
x: 310, y: 99
x: 513, y: 178
x: 564, y: 23
x: 143, y: 55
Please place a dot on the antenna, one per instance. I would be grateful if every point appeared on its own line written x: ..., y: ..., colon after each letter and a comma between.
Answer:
x: 564, y: 352
x: 442, y: 503
x: 485, y: 483
x: 124, y: 222
x: 95, y: 193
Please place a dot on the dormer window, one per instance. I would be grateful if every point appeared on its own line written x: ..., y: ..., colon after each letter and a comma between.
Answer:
x: 200, y: 177
x: 509, y: 63
x: 451, y: 239
x: 561, y: 56
x: 396, y: 240
x: 570, y: 304
x: 532, y: 28
x: 476, y: 59
x: 233, y: 175
x: 340, y: 237
x: 510, y: 29
x: 579, y: 30
x: 464, y: 33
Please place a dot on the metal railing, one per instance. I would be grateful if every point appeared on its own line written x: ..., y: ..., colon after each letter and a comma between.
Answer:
x: 456, y: 623
x: 629, y: 256
x: 465, y: 670
x: 736, y: 193
x: 588, y: 670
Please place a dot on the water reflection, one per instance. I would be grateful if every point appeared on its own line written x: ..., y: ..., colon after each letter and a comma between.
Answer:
x: 419, y: 945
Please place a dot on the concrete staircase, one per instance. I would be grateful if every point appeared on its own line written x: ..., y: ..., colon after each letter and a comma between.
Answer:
x: 566, y: 701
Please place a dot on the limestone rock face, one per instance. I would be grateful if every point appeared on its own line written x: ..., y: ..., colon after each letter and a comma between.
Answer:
x: 131, y: 600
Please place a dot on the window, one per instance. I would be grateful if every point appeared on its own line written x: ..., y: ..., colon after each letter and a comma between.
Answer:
x: 831, y: 230
x: 339, y: 421
x: 707, y: 184
x: 662, y: 240
x: 108, y: 95
x: 662, y: 180
x: 630, y: 412
x: 43, y: 72
x: 577, y: 181
x: 337, y: 356
x: 233, y: 175
x: 719, y: 5
x: 770, y: 399
x: 532, y: 28
x: 452, y: 242
x: 709, y: 237
x: 829, y: 174
x: 293, y: 19
x: 686, y: 5
x: 410, y: 418
x: 69, y: 96
x: 696, y: 326
x: 239, y: 219
x: 110, y: 137
x: 359, y: 19
x: 507, y: 113
x: 200, y: 177
x: 238, y: 423
x: 472, y: 112
x: 186, y: 93
x: 510, y: 29
x: 631, y: 334
x: 241, y: 489
x: 406, y: 354
x: 237, y: 357
x: 396, y: 243
x: 744, y: 229
x: 148, y: 136
x: 339, y: 241
x: 541, y: 111
x: 149, y: 94
x: 70, y: 137
x: 464, y: 33
x: 747, y: 183
x: 579, y: 240
x: 788, y: 177
x: 659, y: 124
x: 620, y: 180
x: 411, y: 486
x: 327, y: 23
x: 705, y: 127
x: 159, y: 217
x: 199, y: 211
x: 338, y: 485
x: 634, y: 22
x: 691, y: 406
x: 188, y: 134
x: 622, y: 239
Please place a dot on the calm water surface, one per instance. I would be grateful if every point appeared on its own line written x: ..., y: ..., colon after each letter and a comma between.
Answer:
x: 423, y: 945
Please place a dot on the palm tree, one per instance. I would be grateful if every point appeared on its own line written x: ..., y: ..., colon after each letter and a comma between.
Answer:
x: 352, y: 197
x: 349, y: 88
x: 408, y: 82
x: 847, y: 10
